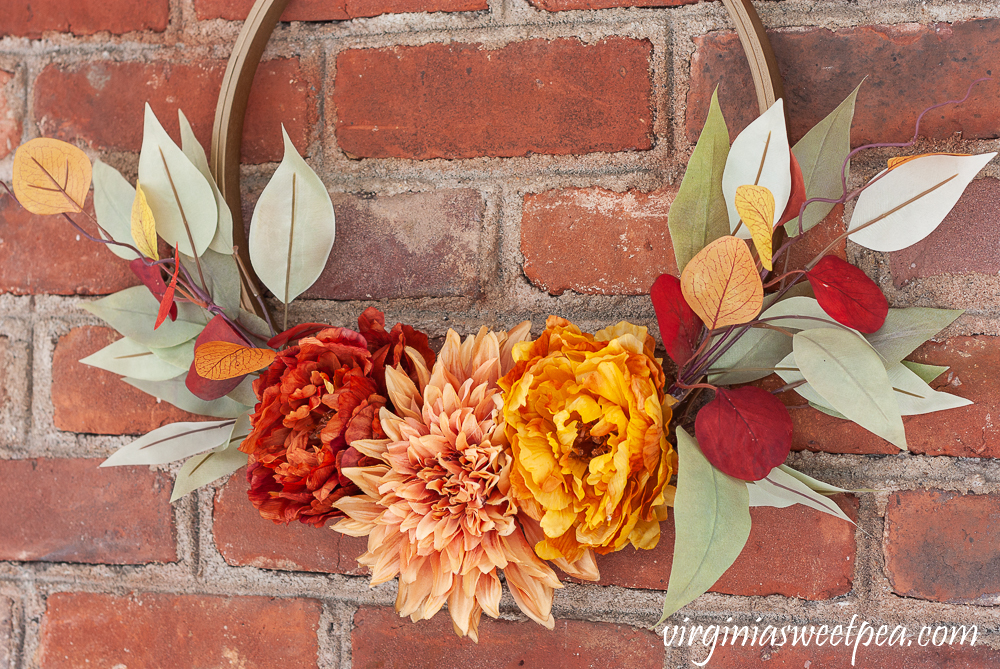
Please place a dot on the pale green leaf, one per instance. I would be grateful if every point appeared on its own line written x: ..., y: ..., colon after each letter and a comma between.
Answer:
x: 912, y: 200
x: 222, y: 275
x: 173, y: 391
x: 181, y: 355
x: 751, y: 357
x: 780, y: 489
x: 712, y: 525
x: 172, y: 442
x: 192, y: 148
x: 223, y: 461
x: 902, y: 378
x: 698, y: 214
x: 927, y: 373
x: 849, y: 375
x: 113, y: 198
x: 906, y: 329
x: 800, y: 313
x: 816, y: 484
x: 255, y: 325
x: 763, y: 142
x: 293, y: 228
x: 175, y: 190
x: 243, y: 393
x: 133, y: 312
x: 821, y: 155
x: 126, y: 357
x: 827, y: 410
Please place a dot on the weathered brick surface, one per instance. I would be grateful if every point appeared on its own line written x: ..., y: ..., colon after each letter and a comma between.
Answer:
x: 592, y: 240
x: 966, y: 242
x: 563, y: 5
x: 409, y: 245
x: 918, y: 652
x: 815, y: 241
x: 31, y: 18
x: 246, y: 539
x: 943, y: 546
x: 6, y: 633
x: 968, y: 431
x: 382, y: 639
x: 336, y: 10
x: 88, y: 399
x: 72, y: 510
x: 46, y: 254
x: 161, y: 630
x: 117, y: 91
x: 10, y: 115
x: 814, y: 558
x: 909, y: 67
x: 462, y: 100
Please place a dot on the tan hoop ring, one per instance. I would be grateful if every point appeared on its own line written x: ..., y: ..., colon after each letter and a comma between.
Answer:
x: 227, y: 131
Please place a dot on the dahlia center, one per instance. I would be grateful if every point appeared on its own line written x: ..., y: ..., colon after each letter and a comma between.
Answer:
x: 588, y: 445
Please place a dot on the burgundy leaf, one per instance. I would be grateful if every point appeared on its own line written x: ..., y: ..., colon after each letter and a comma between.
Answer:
x: 745, y: 432
x: 216, y: 330
x: 797, y: 197
x: 848, y: 295
x: 680, y: 326
x: 151, y: 278
x: 280, y: 341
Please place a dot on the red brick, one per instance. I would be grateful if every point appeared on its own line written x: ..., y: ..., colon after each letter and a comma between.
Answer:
x: 409, y: 245
x: 88, y: 399
x: 382, y: 639
x: 31, y: 18
x: 964, y: 432
x: 10, y: 116
x: 46, y: 254
x: 943, y: 546
x: 966, y: 242
x: 75, y: 511
x: 246, y: 539
x: 816, y: 240
x: 908, y: 67
x: 338, y: 10
x: 6, y: 633
x: 462, y: 100
x: 911, y: 656
x: 116, y: 93
x: 563, y: 5
x: 161, y: 630
x: 592, y: 240
x: 814, y: 558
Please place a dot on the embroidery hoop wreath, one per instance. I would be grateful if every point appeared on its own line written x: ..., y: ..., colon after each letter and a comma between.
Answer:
x: 227, y: 130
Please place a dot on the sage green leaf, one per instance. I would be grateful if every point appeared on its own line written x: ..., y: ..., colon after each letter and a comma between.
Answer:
x: 816, y: 484
x: 179, y: 195
x: 181, y: 355
x: 243, y: 393
x: 293, y: 228
x: 800, y: 313
x: 821, y: 155
x: 172, y: 442
x: 223, y: 461
x: 712, y: 524
x: 192, y: 148
x: 906, y: 329
x: 849, y: 375
x: 698, y: 215
x: 126, y: 357
x: 780, y: 489
x: 827, y: 410
x: 915, y: 397
x: 750, y: 357
x: 927, y: 373
x: 173, y: 391
x: 133, y: 312
x: 113, y: 197
x: 789, y: 373
x: 222, y: 275
x: 255, y: 325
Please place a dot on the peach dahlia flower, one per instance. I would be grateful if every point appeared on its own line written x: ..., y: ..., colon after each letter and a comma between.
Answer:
x: 437, y: 508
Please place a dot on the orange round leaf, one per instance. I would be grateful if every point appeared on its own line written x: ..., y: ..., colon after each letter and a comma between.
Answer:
x: 722, y: 285
x: 51, y: 176
x: 755, y: 205
x: 218, y: 360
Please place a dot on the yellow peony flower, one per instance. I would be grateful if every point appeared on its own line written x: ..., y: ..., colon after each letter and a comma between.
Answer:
x: 587, y: 421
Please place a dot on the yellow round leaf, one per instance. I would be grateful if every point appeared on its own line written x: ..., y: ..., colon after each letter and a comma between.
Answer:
x: 51, y: 176
x: 755, y: 205
x: 722, y: 285
x: 219, y: 360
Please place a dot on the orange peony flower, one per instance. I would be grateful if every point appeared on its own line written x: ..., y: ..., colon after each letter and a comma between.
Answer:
x: 587, y: 420
x: 437, y: 509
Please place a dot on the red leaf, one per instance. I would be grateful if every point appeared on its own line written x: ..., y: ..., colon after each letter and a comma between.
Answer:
x: 680, y: 326
x: 797, y: 198
x: 745, y: 432
x: 280, y: 341
x: 216, y: 330
x: 848, y: 295
x: 167, y: 305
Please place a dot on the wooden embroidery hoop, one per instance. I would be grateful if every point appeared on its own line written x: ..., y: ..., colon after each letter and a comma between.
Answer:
x: 227, y: 131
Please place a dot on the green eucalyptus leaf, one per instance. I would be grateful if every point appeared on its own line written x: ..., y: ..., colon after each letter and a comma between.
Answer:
x: 192, y: 148
x: 181, y: 355
x: 780, y: 489
x: 113, y: 197
x: 175, y: 191
x: 172, y: 442
x: 126, y: 357
x: 175, y: 392
x: 928, y: 400
x: 133, y: 312
x: 293, y: 228
x: 927, y: 373
x: 255, y: 324
x: 827, y: 410
x: 222, y: 275
x: 698, y: 215
x: 849, y: 375
x: 751, y: 357
x: 821, y: 155
x: 223, y: 461
x: 906, y: 329
x: 712, y: 524
x: 816, y: 484
x: 800, y: 313
x: 243, y: 393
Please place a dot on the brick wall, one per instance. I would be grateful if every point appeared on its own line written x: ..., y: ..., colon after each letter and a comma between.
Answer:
x: 489, y: 160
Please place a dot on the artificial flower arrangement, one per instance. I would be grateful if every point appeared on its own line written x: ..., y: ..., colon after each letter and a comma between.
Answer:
x: 507, y: 452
